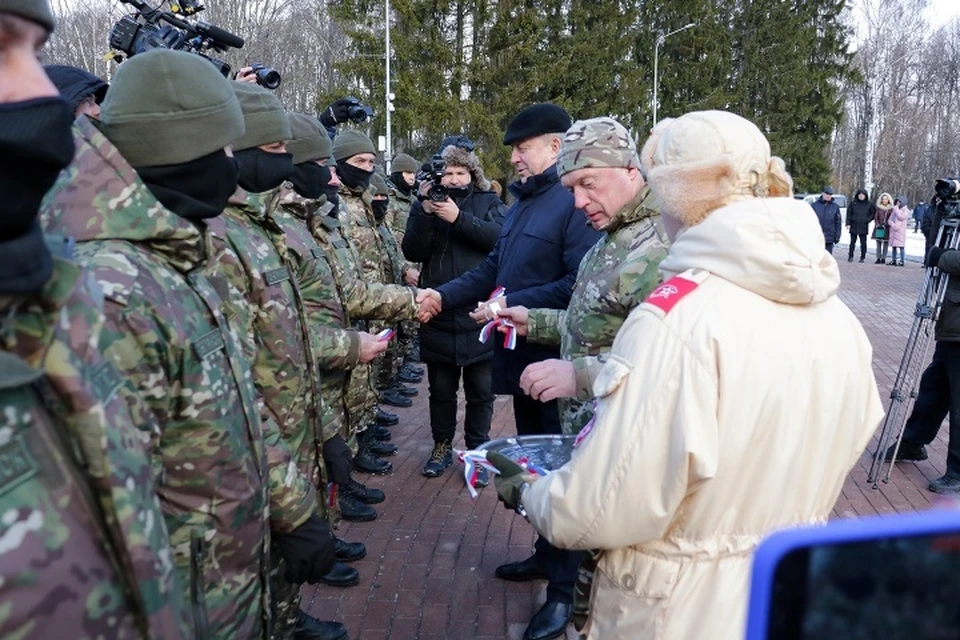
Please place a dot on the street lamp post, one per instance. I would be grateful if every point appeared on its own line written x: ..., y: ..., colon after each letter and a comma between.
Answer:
x: 388, y: 154
x: 656, y: 64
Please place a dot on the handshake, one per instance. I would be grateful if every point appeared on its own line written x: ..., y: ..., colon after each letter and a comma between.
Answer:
x: 429, y: 304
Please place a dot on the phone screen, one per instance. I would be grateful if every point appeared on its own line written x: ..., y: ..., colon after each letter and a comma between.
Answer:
x: 902, y: 587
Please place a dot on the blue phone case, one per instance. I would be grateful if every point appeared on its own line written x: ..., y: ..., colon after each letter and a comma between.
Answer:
x: 775, y: 547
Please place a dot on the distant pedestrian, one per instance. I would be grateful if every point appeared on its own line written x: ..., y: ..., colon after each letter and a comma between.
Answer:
x: 828, y: 213
x: 918, y: 213
x: 899, y: 218
x: 881, y: 229
x: 859, y: 216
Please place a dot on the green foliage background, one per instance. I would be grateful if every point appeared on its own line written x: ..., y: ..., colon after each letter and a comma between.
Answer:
x: 467, y: 66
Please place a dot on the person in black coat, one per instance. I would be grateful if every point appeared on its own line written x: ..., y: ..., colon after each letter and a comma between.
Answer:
x: 450, y: 238
x: 828, y: 213
x: 860, y: 214
x: 82, y: 90
x: 536, y: 260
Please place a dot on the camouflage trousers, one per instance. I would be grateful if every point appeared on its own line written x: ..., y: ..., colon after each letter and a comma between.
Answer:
x: 284, y: 599
x: 386, y: 367
x: 360, y: 403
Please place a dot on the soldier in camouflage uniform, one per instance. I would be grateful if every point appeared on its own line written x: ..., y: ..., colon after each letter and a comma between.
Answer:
x: 299, y: 200
x: 225, y: 484
x: 85, y: 552
x: 252, y: 254
x: 598, y: 161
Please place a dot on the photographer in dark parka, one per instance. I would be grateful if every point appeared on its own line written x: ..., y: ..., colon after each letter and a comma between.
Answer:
x: 450, y: 237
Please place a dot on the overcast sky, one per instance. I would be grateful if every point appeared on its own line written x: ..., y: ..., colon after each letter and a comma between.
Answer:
x: 942, y: 11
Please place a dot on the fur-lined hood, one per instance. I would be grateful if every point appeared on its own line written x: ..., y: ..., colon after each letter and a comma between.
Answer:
x: 457, y: 157
x: 885, y: 207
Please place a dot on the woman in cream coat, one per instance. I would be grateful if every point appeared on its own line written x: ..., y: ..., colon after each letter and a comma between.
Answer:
x: 736, y: 399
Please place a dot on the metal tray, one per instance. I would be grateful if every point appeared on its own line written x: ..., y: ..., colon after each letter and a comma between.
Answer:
x: 550, y: 452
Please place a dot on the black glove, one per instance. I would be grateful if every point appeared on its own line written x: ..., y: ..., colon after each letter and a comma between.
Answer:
x: 933, y: 257
x: 308, y: 551
x: 337, y: 113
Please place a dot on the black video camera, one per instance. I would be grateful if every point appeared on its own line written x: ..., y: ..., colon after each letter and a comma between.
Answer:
x: 266, y: 77
x: 357, y: 111
x: 143, y: 31
x: 437, y: 192
x: 949, y: 191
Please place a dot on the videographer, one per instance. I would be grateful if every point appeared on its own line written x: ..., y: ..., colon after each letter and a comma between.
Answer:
x: 939, y: 393
x: 451, y: 232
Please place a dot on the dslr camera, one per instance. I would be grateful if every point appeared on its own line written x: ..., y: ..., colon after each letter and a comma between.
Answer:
x: 266, y: 77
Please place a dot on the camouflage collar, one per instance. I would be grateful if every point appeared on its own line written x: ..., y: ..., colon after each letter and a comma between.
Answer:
x: 100, y: 197
x: 640, y: 207
x: 295, y: 204
x: 30, y: 314
x: 396, y: 194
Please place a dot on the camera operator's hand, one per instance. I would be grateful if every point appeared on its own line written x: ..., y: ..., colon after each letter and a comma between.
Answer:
x: 246, y: 74
x: 446, y: 210
x: 336, y: 113
x: 370, y: 346
x: 308, y: 551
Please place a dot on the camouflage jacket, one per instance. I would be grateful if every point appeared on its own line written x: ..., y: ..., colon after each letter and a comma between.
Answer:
x: 283, y: 365
x: 360, y: 228
x: 85, y: 547
x: 398, y: 211
x: 393, y: 265
x: 615, y: 276
x: 166, y: 332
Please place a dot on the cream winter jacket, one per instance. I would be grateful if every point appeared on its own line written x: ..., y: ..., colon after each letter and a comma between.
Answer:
x: 738, y: 412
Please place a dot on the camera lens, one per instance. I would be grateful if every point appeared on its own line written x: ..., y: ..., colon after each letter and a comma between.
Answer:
x: 268, y: 78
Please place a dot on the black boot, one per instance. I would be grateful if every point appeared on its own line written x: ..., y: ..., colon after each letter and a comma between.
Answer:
x: 382, y: 448
x: 412, y: 368
x: 908, y: 452
x: 523, y: 571
x: 387, y: 419
x: 349, y: 551
x: 550, y: 621
x: 394, y: 399
x: 405, y: 391
x: 381, y: 433
x: 369, y: 463
x: 364, y: 493
x: 945, y: 485
x: 409, y: 377
x: 440, y: 458
x: 850, y: 258
x: 309, y: 628
x: 353, y: 510
x: 340, y: 575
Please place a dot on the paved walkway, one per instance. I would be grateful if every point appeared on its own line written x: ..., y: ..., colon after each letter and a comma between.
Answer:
x: 432, y: 552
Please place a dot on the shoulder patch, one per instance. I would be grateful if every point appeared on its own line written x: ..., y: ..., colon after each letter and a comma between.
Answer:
x: 668, y: 294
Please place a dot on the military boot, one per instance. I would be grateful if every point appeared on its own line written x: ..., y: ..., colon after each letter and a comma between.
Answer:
x: 440, y: 458
x: 404, y: 390
x: 341, y: 575
x: 382, y: 448
x: 408, y: 376
x: 379, y: 432
x: 309, y: 628
x: 364, y: 493
x: 412, y: 368
x: 349, y: 551
x: 353, y: 510
x: 391, y: 397
x: 386, y: 419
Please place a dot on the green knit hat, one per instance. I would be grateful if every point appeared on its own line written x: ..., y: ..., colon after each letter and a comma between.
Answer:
x: 404, y: 163
x: 169, y: 107
x: 308, y: 139
x: 379, y: 185
x: 35, y: 10
x: 263, y: 114
x: 351, y: 143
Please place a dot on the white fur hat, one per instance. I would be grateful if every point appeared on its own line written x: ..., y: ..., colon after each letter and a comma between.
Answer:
x: 704, y: 160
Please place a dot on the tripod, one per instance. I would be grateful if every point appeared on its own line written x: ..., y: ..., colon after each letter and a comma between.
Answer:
x: 904, y: 390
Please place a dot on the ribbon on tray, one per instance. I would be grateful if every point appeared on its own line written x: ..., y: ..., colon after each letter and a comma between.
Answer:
x: 476, y: 458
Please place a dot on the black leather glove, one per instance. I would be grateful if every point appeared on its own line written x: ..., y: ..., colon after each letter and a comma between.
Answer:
x: 933, y: 257
x: 308, y: 551
x: 338, y: 112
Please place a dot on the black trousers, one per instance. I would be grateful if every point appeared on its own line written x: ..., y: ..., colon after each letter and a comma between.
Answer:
x: 829, y: 247
x: 444, y: 380
x: 536, y: 418
x: 937, y: 398
x: 863, y: 244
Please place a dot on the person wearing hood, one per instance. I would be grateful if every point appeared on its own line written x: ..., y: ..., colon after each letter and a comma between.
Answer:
x: 828, y: 214
x: 881, y: 226
x: 451, y: 237
x: 149, y: 178
x: 860, y: 214
x: 698, y: 399
x: 253, y: 256
x: 86, y: 551
x: 899, y: 220
x: 82, y: 90
x: 535, y: 259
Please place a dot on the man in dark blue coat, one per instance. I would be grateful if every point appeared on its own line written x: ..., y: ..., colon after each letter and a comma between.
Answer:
x: 828, y: 213
x: 536, y: 259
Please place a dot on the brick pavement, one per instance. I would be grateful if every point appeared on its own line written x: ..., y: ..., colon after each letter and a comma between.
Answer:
x: 432, y: 552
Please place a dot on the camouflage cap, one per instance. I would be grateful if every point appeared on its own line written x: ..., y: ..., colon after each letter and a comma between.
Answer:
x: 264, y: 117
x: 35, y: 10
x: 309, y: 140
x: 597, y: 142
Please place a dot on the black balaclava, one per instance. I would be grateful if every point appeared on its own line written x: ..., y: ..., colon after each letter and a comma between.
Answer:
x: 36, y: 144
x: 397, y: 179
x: 353, y: 177
x: 261, y: 171
x: 194, y: 190
x: 310, y: 179
x: 380, y: 209
x: 333, y: 197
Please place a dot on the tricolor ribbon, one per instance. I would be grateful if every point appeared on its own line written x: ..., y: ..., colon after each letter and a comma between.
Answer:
x: 587, y: 428
x: 476, y: 458
x: 509, y: 338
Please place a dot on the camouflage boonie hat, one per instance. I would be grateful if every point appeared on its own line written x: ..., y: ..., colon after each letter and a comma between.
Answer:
x: 597, y: 142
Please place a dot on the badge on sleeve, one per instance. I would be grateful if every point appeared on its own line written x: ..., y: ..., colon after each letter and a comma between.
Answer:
x: 668, y: 294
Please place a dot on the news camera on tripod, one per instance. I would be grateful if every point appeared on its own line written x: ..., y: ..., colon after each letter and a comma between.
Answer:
x: 938, y: 395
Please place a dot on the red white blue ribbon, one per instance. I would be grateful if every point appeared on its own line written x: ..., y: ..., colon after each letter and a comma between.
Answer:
x: 477, y: 458
x: 509, y: 337
x: 587, y: 428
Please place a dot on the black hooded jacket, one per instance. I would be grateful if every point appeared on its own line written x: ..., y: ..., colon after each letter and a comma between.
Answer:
x: 860, y: 214
x: 75, y: 84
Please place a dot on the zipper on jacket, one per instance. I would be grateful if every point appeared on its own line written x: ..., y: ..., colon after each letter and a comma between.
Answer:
x: 197, y: 598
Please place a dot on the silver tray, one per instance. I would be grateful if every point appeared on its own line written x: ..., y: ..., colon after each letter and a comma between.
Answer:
x: 550, y: 452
